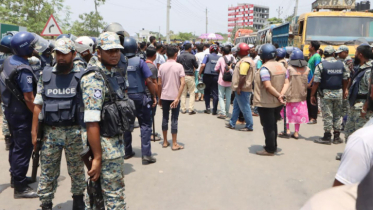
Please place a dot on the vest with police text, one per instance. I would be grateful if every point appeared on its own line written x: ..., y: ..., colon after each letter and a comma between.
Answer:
x: 332, y: 75
x: 11, y: 94
x: 262, y: 98
x: 298, y: 77
x: 135, y: 78
x: 355, y: 86
x: 212, y: 60
x: 62, y: 98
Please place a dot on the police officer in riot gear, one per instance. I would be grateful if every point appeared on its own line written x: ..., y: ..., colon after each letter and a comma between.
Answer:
x: 139, y: 74
x: 59, y: 101
x: 280, y: 57
x: 18, y: 86
x: 331, y: 76
x: 210, y: 78
x: 84, y: 48
x: 7, y: 51
x: 46, y: 57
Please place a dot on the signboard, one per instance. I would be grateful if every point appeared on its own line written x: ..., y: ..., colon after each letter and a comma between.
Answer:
x: 230, y: 29
x: 231, y: 14
x: 334, y: 4
x: 232, y: 8
x: 51, y: 28
x: 231, y: 24
x: 5, y: 28
x: 243, y: 24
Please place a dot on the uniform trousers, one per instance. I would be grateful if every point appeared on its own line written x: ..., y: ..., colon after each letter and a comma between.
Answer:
x: 355, y: 121
x: 143, y: 106
x: 211, y: 82
x: 21, y: 145
x: 268, y: 119
x: 332, y: 114
x: 56, y: 139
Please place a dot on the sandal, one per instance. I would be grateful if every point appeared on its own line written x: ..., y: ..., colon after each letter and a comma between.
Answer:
x: 168, y: 144
x: 179, y: 147
x: 284, y: 135
x: 295, y: 137
x: 246, y: 129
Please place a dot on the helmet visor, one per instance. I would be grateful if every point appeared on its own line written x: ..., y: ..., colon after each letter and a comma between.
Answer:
x: 39, y: 44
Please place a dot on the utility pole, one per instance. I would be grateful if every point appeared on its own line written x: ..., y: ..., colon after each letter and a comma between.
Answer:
x: 159, y: 32
x: 279, y: 11
x: 168, y: 21
x: 296, y: 8
x: 96, y: 4
x: 206, y: 20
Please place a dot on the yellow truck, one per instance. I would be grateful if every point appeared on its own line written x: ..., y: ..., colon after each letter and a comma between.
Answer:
x: 336, y: 27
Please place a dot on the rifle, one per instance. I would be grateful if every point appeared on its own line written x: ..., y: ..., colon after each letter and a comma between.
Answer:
x: 36, y: 152
x: 93, y: 188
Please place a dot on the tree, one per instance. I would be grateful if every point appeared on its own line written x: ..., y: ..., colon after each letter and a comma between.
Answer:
x: 87, y: 25
x: 33, y: 14
x: 274, y: 20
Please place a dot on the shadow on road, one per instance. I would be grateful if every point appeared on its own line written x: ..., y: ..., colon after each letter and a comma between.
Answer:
x: 64, y: 206
x: 312, y: 138
x: 128, y: 168
x: 254, y: 148
x: 3, y: 187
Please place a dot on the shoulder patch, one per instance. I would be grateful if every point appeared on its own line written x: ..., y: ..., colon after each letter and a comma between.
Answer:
x: 97, y: 94
x: 29, y: 79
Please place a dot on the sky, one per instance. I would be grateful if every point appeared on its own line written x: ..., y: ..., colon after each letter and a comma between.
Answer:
x: 185, y: 15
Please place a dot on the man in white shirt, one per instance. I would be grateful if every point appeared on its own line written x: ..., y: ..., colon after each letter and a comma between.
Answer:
x: 357, y: 158
x: 199, y: 56
x: 159, y: 60
x: 206, y: 49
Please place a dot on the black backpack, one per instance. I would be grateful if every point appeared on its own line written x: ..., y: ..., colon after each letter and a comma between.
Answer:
x: 227, y: 76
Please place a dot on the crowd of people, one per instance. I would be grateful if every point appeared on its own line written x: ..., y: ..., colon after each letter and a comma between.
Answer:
x: 83, y: 94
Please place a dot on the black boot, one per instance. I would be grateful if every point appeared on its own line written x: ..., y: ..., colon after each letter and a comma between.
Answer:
x: 46, y: 206
x: 7, y: 142
x: 327, y: 139
x: 78, y: 202
x: 28, y: 180
x: 337, y: 139
x: 24, y: 192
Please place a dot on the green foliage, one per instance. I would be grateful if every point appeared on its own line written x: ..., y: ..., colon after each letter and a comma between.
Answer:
x: 33, y: 14
x: 87, y: 24
x: 183, y: 36
x: 274, y: 20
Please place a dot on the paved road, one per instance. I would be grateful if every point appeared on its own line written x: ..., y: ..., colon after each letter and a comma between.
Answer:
x: 217, y: 170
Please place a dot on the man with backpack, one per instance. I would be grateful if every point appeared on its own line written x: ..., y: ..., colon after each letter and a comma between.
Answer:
x: 224, y: 66
x: 243, y: 77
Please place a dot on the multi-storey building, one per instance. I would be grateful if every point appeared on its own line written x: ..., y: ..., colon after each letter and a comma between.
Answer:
x: 247, y: 15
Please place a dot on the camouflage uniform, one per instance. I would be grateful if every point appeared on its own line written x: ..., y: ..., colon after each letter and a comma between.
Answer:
x: 93, y: 60
x: 331, y: 100
x: 56, y: 139
x: 354, y: 120
x: 112, y: 174
x: 345, y: 104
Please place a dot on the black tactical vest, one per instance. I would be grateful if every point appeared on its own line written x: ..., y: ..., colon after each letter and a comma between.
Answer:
x: 62, y: 98
x: 11, y: 94
x: 332, y: 75
x: 210, y: 65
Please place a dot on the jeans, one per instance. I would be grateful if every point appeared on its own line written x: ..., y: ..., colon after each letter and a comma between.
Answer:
x: 268, y: 119
x: 189, y: 88
x: 224, y: 106
x: 144, y: 115
x: 242, y: 102
x: 211, y: 82
x: 166, y: 115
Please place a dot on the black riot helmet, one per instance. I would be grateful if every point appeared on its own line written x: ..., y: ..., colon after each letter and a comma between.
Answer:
x: 118, y: 29
x: 130, y: 47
